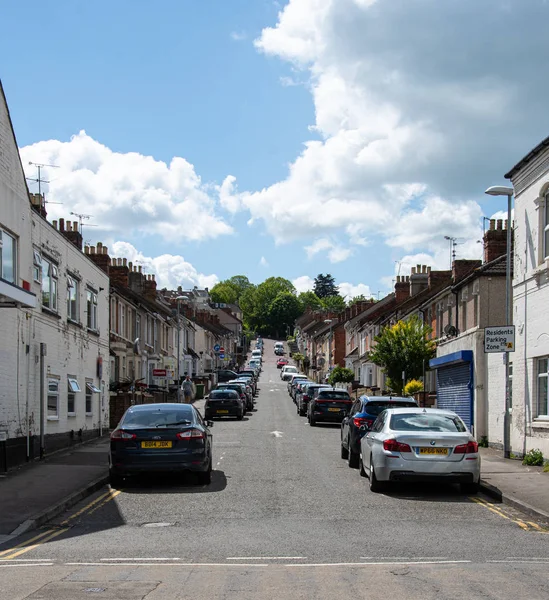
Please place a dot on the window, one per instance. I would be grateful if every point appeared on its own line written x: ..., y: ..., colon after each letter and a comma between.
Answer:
x: 113, y: 314
x: 49, y: 284
x: 545, y: 228
x: 90, y: 390
x: 91, y: 301
x: 137, y: 333
x: 72, y: 389
x: 72, y: 298
x: 543, y: 388
x: 37, y: 266
x: 122, y: 320
x: 7, y: 256
x: 53, y: 399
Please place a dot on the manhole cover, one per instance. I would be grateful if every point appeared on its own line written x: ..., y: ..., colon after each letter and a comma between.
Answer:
x: 158, y: 524
x: 115, y: 590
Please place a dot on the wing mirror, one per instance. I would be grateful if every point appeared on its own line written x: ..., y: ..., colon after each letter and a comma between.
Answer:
x: 210, y: 423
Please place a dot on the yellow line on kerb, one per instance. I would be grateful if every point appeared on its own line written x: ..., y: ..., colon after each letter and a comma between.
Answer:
x: 42, y: 541
x: 526, y: 526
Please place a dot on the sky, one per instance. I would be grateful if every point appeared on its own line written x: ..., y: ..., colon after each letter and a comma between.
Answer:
x: 209, y: 138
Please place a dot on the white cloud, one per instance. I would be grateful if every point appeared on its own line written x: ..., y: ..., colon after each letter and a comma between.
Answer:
x: 413, y: 123
x: 335, y: 252
x: 263, y: 262
x: 304, y: 284
x: 127, y: 193
x: 170, y: 270
x: 238, y: 36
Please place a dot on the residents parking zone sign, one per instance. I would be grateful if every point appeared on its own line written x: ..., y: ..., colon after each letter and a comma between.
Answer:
x: 499, y: 339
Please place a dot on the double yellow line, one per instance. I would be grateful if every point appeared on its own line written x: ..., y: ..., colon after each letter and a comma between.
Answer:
x: 525, y: 525
x: 51, y: 533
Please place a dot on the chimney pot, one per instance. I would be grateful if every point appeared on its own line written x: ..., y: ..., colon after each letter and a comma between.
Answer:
x: 413, y: 270
x: 99, y: 246
x: 75, y: 225
x: 105, y: 250
x: 86, y: 249
x: 492, y: 224
x: 61, y: 224
x: 140, y: 269
x: 124, y: 262
x: 54, y: 223
x: 92, y: 249
x: 500, y: 223
x: 69, y: 226
x: 130, y: 266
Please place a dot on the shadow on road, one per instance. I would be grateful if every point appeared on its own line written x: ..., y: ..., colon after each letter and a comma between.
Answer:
x: 173, y: 484
x: 426, y: 492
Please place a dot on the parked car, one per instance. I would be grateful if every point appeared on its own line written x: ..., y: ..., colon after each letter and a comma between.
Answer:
x: 161, y: 438
x: 287, y: 371
x: 244, y: 381
x: 296, y: 385
x: 365, y: 411
x: 329, y: 406
x: 257, y: 353
x: 251, y: 375
x: 420, y: 444
x: 224, y: 403
x: 279, y: 351
x: 255, y: 363
x: 294, y: 377
x: 224, y: 375
x: 304, y: 396
x: 237, y: 387
x: 281, y: 362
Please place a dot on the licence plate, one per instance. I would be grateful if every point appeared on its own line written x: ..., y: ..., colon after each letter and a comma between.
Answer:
x: 439, y: 451
x: 156, y: 444
x: 335, y: 409
x: 222, y: 412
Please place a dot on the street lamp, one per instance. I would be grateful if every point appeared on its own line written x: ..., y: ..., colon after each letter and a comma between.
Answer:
x: 501, y: 190
x: 178, y: 299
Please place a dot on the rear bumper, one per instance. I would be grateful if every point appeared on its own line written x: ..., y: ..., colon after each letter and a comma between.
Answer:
x: 412, y: 476
x: 398, y: 469
x: 124, y: 465
x: 328, y: 418
x: 233, y: 411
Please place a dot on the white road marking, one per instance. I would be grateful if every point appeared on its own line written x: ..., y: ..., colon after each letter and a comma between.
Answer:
x: 277, y: 434
x: 122, y: 559
x: 522, y: 560
x: 264, y: 565
x: 33, y: 560
x: 359, y: 564
x: 42, y: 564
x: 404, y: 558
x: 266, y: 557
x: 170, y: 564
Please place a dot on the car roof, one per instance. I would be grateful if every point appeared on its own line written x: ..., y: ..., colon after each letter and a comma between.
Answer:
x: 162, y: 406
x: 225, y: 391
x: 387, y: 398
x: 419, y: 411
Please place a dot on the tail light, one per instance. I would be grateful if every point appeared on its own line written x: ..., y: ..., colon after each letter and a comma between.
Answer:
x: 191, y: 434
x: 120, y: 434
x: 358, y: 421
x: 395, y: 446
x: 305, y: 397
x: 468, y: 448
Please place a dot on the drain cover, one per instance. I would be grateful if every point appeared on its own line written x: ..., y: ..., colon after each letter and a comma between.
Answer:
x: 114, y: 590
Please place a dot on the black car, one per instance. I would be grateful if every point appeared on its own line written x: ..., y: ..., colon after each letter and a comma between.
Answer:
x: 153, y: 438
x: 364, y: 412
x: 305, y: 395
x: 329, y: 406
x: 224, y: 403
x: 224, y: 375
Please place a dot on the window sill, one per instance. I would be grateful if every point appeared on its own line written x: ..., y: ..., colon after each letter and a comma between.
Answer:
x: 52, y: 419
x: 93, y: 332
x: 50, y: 312
x: 541, y: 424
x: 71, y: 414
x: 89, y: 414
x: 75, y: 323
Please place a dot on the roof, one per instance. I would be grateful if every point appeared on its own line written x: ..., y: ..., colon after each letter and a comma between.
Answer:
x: 353, y: 353
x: 495, y: 267
x: 141, y: 300
x: 524, y: 161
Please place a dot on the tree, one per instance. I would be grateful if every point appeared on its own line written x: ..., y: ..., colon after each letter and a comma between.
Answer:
x: 240, y: 283
x: 404, y: 347
x: 282, y: 312
x: 325, y: 286
x: 413, y: 387
x: 224, y: 292
x: 334, y: 303
x: 341, y: 375
x: 309, y: 301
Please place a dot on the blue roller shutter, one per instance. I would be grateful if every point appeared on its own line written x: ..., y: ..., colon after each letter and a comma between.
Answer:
x: 454, y: 391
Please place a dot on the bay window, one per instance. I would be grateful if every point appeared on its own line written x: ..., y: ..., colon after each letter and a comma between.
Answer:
x: 545, y: 227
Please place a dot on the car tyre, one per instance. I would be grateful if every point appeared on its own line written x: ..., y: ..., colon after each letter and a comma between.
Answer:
x: 361, y: 470
x: 352, y: 457
x: 312, y: 422
x: 375, y: 485
x: 116, y: 480
x: 240, y: 416
x: 205, y: 477
x: 344, y: 452
x: 469, y: 488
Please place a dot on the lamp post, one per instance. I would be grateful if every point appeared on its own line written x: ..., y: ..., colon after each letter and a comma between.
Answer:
x: 329, y: 321
x: 500, y: 190
x: 178, y: 370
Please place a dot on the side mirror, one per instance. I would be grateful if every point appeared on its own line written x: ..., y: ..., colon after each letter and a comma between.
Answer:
x: 210, y: 423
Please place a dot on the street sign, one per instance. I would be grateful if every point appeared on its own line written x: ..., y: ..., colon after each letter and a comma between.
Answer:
x: 221, y: 355
x: 217, y: 347
x: 159, y: 372
x: 221, y: 349
x: 499, y: 339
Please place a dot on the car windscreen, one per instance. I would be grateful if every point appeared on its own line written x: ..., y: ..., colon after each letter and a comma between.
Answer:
x: 158, y: 417
x: 290, y: 370
x: 377, y: 406
x: 418, y: 422
x: 333, y: 394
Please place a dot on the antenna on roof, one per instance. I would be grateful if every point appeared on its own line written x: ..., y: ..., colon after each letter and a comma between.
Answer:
x: 38, y: 179
x: 80, y: 219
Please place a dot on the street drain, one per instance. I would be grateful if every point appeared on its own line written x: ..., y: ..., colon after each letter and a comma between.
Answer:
x: 158, y: 525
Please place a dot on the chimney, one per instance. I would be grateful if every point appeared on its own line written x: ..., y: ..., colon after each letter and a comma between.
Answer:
x: 437, y: 277
x: 495, y: 240
x: 419, y: 279
x: 402, y: 289
x: 38, y: 204
x: 120, y: 273
x: 137, y: 280
x: 101, y: 258
x: 71, y: 232
x: 462, y: 267
x: 149, y: 287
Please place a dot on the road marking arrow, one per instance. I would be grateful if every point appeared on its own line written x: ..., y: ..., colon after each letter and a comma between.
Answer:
x: 277, y: 434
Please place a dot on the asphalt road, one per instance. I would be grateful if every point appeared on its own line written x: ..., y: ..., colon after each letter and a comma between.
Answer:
x: 284, y: 517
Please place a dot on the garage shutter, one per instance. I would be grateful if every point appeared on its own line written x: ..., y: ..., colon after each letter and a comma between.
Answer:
x: 454, y: 391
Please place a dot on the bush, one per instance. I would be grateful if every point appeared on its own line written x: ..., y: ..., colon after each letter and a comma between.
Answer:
x: 341, y: 375
x: 412, y: 387
x: 533, y: 458
x: 483, y: 442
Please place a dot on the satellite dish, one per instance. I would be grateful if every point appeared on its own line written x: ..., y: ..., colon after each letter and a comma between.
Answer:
x: 450, y: 331
x: 321, y: 362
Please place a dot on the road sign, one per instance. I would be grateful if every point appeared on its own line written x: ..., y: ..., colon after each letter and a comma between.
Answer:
x: 159, y: 372
x: 221, y: 355
x: 221, y: 349
x: 499, y: 339
x: 217, y: 347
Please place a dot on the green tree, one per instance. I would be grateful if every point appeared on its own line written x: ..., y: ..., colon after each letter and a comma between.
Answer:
x: 325, y: 286
x: 334, y: 303
x: 247, y: 303
x: 341, y: 375
x: 404, y: 347
x: 240, y: 282
x: 309, y: 301
x: 282, y: 313
x: 224, y: 292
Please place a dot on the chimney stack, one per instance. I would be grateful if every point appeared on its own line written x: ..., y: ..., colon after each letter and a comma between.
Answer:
x: 38, y: 204
x: 495, y: 240
x: 101, y: 258
x: 402, y: 289
x: 419, y: 280
x: 70, y: 232
x: 120, y: 274
x: 462, y: 267
x: 149, y: 287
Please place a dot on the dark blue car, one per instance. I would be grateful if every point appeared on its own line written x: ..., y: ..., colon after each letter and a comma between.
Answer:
x: 364, y: 412
x: 155, y: 438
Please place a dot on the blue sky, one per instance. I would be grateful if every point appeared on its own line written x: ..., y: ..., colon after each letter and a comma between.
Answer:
x: 351, y: 147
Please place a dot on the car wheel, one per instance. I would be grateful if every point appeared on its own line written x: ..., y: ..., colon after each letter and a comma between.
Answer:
x: 312, y: 422
x: 352, y: 458
x: 240, y: 416
x: 116, y: 480
x: 205, y: 477
x: 361, y: 470
x: 375, y: 485
x: 344, y: 451
x: 469, y: 488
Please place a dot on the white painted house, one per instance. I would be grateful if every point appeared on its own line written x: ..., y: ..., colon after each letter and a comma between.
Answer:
x: 530, y: 399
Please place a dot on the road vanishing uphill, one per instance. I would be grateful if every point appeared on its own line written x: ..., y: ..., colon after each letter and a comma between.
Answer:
x: 284, y: 517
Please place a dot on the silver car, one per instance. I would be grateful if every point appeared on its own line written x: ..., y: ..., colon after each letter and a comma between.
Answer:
x: 419, y: 444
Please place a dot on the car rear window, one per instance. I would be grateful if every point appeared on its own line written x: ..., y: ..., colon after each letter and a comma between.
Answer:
x: 376, y: 407
x: 333, y: 394
x: 157, y: 417
x: 426, y: 422
x: 223, y: 394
